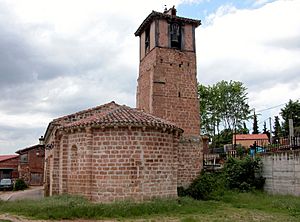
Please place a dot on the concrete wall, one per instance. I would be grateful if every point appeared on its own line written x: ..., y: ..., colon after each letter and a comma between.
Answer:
x: 282, y: 172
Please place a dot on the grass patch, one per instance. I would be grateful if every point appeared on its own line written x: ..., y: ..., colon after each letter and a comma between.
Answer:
x: 71, y: 207
x: 232, y: 206
x: 261, y: 201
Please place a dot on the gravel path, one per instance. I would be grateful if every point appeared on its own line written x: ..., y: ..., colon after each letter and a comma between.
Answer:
x: 33, y: 193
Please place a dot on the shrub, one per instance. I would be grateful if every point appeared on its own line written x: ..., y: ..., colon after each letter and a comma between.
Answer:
x: 244, y: 174
x: 182, y: 192
x: 20, y: 185
x: 237, y: 174
x: 207, y: 186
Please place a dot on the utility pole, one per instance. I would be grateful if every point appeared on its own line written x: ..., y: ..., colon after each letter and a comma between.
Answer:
x: 270, y: 121
x: 291, y: 131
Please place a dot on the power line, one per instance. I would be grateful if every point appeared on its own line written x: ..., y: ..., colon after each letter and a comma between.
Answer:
x: 273, y: 107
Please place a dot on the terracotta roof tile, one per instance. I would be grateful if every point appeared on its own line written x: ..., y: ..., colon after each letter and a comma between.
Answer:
x: 251, y: 137
x: 29, y: 148
x: 87, y: 112
x: 154, y: 15
x: 7, y: 157
x: 74, y: 117
x: 118, y: 115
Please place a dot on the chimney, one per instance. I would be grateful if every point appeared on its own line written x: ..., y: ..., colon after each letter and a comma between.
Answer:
x: 41, y: 140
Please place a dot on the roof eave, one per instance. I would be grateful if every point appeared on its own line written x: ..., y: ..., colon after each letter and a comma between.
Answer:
x: 153, y: 15
x: 29, y: 148
x: 110, y: 125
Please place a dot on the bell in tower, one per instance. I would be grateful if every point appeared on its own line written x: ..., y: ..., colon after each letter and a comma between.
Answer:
x: 167, y: 82
x: 175, y: 36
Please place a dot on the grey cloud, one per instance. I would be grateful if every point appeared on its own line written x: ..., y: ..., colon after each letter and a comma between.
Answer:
x: 13, y: 139
x: 291, y: 43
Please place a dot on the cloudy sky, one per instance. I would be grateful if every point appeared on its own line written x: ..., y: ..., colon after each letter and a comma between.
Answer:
x: 61, y: 56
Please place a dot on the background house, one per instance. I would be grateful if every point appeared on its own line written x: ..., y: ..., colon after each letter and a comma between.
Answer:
x: 31, y: 164
x: 246, y: 140
x: 9, y: 166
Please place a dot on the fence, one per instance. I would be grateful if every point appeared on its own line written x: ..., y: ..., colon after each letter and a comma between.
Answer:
x: 284, y: 143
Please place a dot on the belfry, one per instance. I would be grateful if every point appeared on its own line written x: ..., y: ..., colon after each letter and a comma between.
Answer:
x: 167, y: 83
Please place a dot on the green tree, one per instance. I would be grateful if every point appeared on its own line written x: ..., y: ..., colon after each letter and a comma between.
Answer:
x: 277, y: 129
x: 290, y: 111
x: 255, y: 124
x: 243, y: 130
x: 266, y: 131
x: 265, y: 128
x: 224, y: 137
x: 208, y: 115
x: 234, y: 108
x: 223, y: 106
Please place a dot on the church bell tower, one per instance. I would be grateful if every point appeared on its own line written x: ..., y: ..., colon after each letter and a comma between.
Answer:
x: 167, y: 83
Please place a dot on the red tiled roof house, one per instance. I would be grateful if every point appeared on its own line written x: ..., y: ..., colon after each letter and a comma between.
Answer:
x: 9, y: 166
x: 246, y: 140
x: 31, y: 164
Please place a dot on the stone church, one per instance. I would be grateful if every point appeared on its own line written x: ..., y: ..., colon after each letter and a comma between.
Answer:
x: 114, y: 152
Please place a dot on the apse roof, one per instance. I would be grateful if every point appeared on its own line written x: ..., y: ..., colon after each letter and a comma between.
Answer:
x: 113, y: 114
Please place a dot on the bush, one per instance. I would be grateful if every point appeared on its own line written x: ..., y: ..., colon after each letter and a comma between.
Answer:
x: 20, y: 185
x: 243, y: 174
x: 237, y: 174
x: 182, y: 192
x: 207, y: 186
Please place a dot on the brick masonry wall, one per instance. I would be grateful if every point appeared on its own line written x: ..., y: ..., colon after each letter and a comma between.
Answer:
x: 145, y: 83
x: 134, y: 164
x: 282, y: 172
x: 10, y: 164
x: 190, y: 159
x: 34, y: 166
x: 77, y: 163
x: 116, y: 164
x: 167, y: 88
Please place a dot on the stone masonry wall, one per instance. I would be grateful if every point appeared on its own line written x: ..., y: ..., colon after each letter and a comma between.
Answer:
x: 190, y: 160
x: 145, y: 83
x: 167, y: 88
x: 112, y: 164
x: 134, y: 164
x: 78, y: 162
x: 282, y: 172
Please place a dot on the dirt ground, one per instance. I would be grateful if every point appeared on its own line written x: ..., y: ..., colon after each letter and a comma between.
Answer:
x: 13, y: 218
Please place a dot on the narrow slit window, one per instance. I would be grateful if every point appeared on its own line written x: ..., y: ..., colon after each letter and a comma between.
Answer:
x: 147, y: 40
